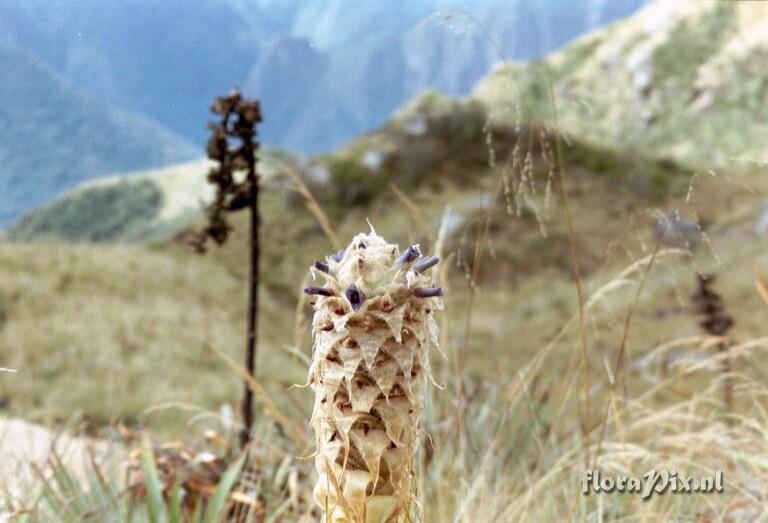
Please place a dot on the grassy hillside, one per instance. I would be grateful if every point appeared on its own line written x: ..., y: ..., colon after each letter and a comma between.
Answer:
x: 434, y: 144
x: 111, y: 331
x: 54, y: 137
x: 143, y: 206
x: 679, y: 79
x: 122, y: 209
x: 124, y: 304
x: 429, y: 167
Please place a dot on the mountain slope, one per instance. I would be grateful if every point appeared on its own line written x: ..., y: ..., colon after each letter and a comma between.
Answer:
x: 52, y: 136
x: 433, y: 144
x: 144, y: 206
x: 115, y: 314
x: 679, y: 79
x: 167, y: 60
x: 347, y: 82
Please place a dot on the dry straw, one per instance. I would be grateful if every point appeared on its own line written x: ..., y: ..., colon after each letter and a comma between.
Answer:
x: 373, y: 326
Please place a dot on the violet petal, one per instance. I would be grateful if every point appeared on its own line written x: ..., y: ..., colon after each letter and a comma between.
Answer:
x: 425, y: 263
x: 428, y: 292
x: 410, y: 254
x: 320, y: 266
x: 337, y: 256
x: 355, y: 297
x: 320, y: 291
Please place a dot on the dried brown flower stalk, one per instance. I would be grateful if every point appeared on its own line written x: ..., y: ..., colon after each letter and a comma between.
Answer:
x: 716, y: 322
x: 233, y: 147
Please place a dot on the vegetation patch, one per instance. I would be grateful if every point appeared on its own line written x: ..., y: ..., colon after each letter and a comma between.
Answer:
x: 433, y: 140
x: 123, y: 209
x: 437, y: 142
x: 690, y: 44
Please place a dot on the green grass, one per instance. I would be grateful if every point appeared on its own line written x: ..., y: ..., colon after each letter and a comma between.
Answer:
x: 690, y: 44
x: 451, y: 150
x: 110, y: 213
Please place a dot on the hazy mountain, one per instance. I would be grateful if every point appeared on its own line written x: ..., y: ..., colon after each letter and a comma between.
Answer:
x: 360, y: 77
x: 326, y: 72
x: 52, y: 136
x: 349, y: 64
x: 166, y: 60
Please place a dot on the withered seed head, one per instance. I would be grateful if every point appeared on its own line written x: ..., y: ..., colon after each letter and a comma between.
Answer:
x: 232, y: 145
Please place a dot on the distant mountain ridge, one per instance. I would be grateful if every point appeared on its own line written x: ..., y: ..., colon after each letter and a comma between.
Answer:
x: 352, y: 62
x: 357, y: 83
x: 325, y: 71
x: 52, y: 136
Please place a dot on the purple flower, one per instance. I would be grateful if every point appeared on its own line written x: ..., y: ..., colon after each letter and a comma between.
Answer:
x: 425, y: 263
x: 320, y: 291
x: 410, y: 254
x: 320, y: 266
x: 427, y: 292
x: 337, y: 257
x: 355, y: 297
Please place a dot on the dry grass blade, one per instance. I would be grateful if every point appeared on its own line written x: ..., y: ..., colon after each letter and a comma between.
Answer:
x: 574, y: 258
x: 311, y: 202
x: 299, y: 436
x: 414, y: 209
x: 619, y: 363
x: 761, y: 282
x: 299, y: 316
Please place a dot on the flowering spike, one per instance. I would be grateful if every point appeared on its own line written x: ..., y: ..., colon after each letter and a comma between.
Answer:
x: 410, y: 254
x: 428, y: 292
x: 425, y: 263
x: 355, y: 297
x: 320, y: 291
x: 369, y: 373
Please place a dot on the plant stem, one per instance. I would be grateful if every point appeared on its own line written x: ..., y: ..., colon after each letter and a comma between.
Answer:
x: 726, y: 371
x: 253, y: 292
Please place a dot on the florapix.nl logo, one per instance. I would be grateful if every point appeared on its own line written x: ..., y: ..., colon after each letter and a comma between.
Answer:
x: 651, y: 483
